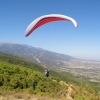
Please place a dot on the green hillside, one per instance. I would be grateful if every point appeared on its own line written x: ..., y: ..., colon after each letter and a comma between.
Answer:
x: 20, y: 75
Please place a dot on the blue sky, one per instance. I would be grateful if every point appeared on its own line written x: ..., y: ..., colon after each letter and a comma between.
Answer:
x: 61, y: 36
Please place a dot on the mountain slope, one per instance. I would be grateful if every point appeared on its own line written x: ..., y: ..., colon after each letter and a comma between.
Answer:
x: 44, y: 57
x: 19, y: 75
x: 61, y: 62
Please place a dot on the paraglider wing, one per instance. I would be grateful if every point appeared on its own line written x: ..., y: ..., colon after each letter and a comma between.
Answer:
x: 46, y: 19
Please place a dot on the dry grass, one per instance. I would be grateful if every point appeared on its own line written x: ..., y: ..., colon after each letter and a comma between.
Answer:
x: 24, y: 96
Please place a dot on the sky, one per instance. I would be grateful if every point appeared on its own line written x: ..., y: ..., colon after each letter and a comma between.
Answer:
x: 62, y: 37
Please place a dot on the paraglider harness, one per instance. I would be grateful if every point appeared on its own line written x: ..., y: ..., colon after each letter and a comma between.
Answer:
x: 46, y: 72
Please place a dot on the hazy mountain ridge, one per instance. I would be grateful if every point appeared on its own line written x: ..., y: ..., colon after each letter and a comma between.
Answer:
x: 46, y: 58
x: 61, y: 62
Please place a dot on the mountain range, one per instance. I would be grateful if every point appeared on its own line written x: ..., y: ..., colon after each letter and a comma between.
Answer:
x: 54, y: 60
x: 38, y: 55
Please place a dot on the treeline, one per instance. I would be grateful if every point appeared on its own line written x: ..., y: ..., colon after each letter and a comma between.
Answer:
x: 20, y: 61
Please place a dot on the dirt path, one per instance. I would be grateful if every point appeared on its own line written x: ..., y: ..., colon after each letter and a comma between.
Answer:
x: 69, y: 90
x: 68, y: 96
